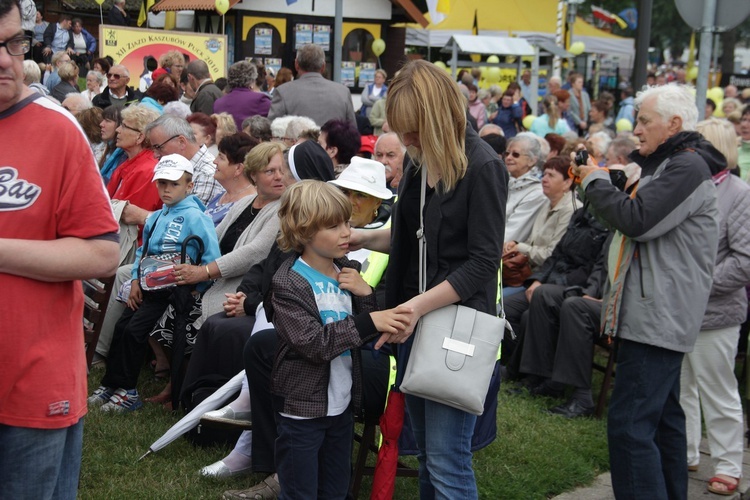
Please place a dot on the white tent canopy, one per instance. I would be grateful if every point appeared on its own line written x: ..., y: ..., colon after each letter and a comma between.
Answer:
x: 503, y: 46
x: 489, y: 45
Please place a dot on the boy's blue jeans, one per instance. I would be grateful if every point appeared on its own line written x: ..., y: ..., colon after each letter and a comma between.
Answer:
x: 314, y: 456
x: 443, y: 436
x: 40, y: 463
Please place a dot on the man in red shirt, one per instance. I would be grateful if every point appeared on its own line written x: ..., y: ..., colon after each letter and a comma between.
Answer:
x: 56, y: 227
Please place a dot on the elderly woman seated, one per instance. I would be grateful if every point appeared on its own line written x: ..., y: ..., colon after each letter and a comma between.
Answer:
x: 245, y: 235
x: 522, y: 258
x: 523, y: 156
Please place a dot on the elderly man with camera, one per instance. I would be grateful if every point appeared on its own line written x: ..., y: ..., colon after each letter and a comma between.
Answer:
x: 661, y: 262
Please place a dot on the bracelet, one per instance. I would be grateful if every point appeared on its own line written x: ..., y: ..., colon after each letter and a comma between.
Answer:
x: 208, y: 273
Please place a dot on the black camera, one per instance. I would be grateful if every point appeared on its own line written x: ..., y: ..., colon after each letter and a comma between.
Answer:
x: 582, y: 157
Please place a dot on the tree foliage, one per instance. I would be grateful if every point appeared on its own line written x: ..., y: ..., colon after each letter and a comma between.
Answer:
x: 668, y: 30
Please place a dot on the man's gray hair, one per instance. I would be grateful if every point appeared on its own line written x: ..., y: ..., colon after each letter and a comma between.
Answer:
x: 241, y: 75
x: 82, y: 102
x: 124, y: 70
x: 672, y: 100
x: 199, y: 69
x: 311, y: 58
x: 531, y: 146
x: 390, y: 134
x: 172, y: 125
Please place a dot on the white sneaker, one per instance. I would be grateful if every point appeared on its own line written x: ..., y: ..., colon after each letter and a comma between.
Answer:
x: 123, y: 401
x: 100, y: 396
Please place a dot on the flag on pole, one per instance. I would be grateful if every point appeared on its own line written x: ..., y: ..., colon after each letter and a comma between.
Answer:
x: 475, y: 26
x: 438, y: 10
x: 145, y: 8
x: 630, y: 16
x: 608, y: 17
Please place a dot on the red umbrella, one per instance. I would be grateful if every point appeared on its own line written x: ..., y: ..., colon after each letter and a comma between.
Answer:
x: 391, y: 421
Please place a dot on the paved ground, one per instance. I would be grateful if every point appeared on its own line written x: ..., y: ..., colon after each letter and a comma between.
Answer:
x: 602, y: 487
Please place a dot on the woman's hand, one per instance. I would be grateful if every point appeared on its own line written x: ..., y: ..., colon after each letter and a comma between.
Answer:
x: 136, y: 295
x: 187, y: 274
x: 234, y: 305
x: 350, y: 279
x: 508, y: 247
x: 393, y: 324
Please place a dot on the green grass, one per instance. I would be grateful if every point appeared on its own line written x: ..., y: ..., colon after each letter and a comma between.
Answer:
x: 535, y: 455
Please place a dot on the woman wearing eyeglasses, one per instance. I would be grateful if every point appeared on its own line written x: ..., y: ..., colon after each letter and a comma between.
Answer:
x: 131, y: 181
x: 523, y: 156
x: 245, y: 237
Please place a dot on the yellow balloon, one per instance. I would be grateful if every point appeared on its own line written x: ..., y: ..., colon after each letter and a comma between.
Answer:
x: 378, y: 46
x: 484, y: 70
x: 222, y: 6
x: 99, y: 2
x: 493, y: 75
x: 692, y: 73
x: 577, y: 48
x: 719, y: 112
x: 716, y: 94
x: 528, y: 121
x: 441, y: 65
x: 493, y: 59
x: 624, y: 125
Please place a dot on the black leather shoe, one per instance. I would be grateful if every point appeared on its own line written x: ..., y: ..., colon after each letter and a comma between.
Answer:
x: 572, y: 409
x: 545, y: 390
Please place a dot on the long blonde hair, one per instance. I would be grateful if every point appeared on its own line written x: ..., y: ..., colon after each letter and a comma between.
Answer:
x: 551, y: 109
x: 423, y: 99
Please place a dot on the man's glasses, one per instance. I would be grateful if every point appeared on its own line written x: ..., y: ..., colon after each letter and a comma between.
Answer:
x: 114, y: 75
x: 158, y: 147
x: 17, y: 46
x: 514, y: 154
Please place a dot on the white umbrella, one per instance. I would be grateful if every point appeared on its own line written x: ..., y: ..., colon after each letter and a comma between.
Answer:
x: 213, y: 402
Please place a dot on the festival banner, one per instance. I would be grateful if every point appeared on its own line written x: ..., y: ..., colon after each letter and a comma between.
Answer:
x: 132, y: 46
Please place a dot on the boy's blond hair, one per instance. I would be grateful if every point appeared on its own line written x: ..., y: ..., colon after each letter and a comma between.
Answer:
x: 307, y: 207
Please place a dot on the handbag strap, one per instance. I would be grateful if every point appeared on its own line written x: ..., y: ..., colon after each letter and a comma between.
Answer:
x: 423, y: 242
x: 420, y: 234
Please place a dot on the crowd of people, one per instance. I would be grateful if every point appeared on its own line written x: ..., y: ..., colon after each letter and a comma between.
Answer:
x: 299, y: 214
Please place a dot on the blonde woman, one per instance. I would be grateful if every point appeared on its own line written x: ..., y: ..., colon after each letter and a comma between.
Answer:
x: 466, y: 188
x: 707, y: 382
x: 225, y: 126
x: 551, y: 121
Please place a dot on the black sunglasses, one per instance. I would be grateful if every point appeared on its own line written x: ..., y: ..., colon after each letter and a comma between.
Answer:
x: 114, y: 75
x: 514, y: 154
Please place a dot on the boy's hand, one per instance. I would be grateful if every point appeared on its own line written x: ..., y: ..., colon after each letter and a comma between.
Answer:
x: 393, y: 324
x: 350, y: 279
x: 136, y: 295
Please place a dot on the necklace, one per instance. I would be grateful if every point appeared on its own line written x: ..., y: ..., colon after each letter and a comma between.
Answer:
x: 229, y: 198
